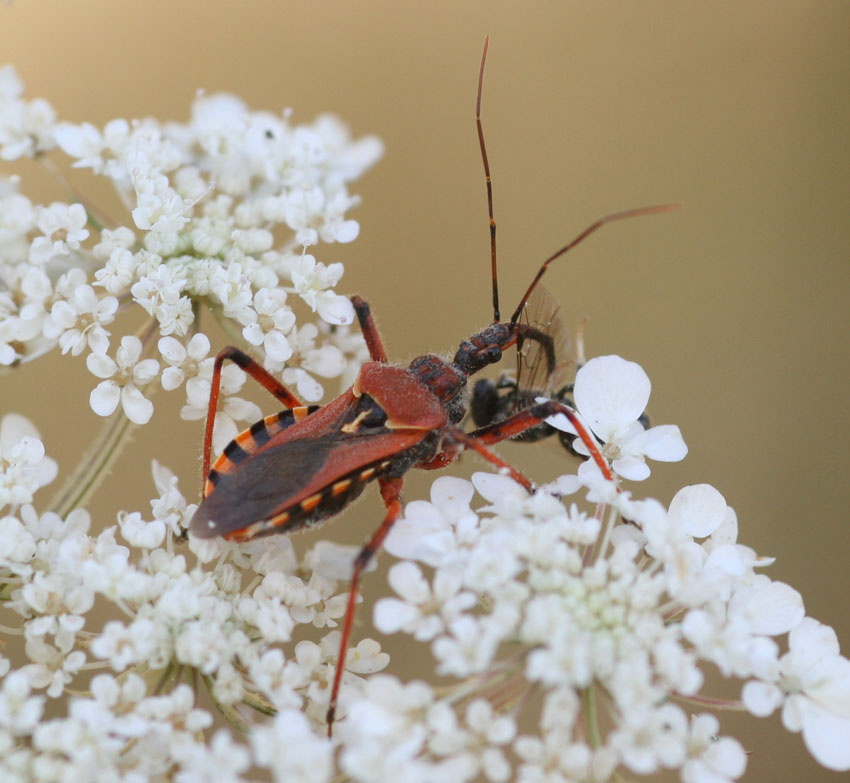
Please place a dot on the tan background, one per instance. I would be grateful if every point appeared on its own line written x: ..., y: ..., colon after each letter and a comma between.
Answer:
x: 737, y: 306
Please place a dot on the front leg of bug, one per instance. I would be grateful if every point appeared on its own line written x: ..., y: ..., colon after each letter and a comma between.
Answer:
x: 533, y: 417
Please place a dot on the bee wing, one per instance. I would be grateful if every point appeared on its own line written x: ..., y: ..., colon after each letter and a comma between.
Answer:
x: 533, y: 378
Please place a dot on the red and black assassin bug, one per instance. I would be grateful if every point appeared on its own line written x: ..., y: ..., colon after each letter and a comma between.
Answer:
x: 296, y: 468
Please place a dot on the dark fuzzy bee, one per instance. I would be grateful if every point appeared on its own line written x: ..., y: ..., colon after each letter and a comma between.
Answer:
x: 539, y: 373
x: 542, y: 370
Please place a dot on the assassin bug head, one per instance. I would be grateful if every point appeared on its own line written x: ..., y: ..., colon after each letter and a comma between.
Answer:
x: 488, y: 345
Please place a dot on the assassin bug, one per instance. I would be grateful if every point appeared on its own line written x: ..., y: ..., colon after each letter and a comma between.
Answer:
x: 296, y: 468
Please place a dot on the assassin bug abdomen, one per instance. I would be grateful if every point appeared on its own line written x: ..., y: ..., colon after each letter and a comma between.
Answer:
x: 299, y: 467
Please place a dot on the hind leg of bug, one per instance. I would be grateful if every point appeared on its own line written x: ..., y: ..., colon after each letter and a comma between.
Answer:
x: 391, y: 493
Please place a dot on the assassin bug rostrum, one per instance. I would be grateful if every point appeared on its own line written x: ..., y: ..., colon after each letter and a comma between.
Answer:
x: 296, y: 468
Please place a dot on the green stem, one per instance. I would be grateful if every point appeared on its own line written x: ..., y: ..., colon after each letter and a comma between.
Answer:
x: 93, y: 466
x: 591, y: 718
x: 99, y: 457
x: 258, y: 703
x: 227, y: 711
x: 717, y: 704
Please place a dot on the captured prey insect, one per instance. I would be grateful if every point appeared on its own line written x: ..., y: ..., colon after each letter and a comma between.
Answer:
x: 296, y: 468
x: 536, y: 376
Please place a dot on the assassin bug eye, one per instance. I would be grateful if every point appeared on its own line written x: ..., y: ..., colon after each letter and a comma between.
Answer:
x: 493, y: 353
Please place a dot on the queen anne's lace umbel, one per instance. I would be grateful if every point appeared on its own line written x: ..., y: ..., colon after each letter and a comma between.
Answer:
x: 569, y: 628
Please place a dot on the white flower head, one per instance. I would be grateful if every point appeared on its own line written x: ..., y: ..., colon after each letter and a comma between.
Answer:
x: 63, y: 229
x: 78, y: 321
x: 125, y: 376
x: 812, y: 685
x: 269, y: 321
x: 611, y: 395
x: 160, y: 294
x: 24, y: 468
x: 185, y: 362
x: 26, y: 127
x: 311, y: 281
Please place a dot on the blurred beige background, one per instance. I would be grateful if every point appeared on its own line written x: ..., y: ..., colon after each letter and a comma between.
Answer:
x: 736, y: 306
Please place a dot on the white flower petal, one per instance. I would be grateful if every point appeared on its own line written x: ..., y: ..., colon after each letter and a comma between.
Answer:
x: 101, y: 365
x: 138, y: 408
x: 827, y: 737
x: 145, y: 371
x: 171, y: 378
x: 347, y: 231
x: 771, y: 609
x: 494, y: 487
x: 277, y: 347
x: 253, y: 333
x: 761, y: 698
x: 409, y: 583
x: 811, y: 642
x: 104, y: 397
x: 831, y: 686
x: 663, y: 443
x: 392, y: 615
x: 698, y: 510
x: 452, y: 495
x: 334, y: 308
x: 631, y: 468
x: 611, y: 393
x: 172, y: 350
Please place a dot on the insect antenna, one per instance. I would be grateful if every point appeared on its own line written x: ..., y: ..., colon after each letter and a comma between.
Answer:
x: 629, y: 213
x: 496, y: 314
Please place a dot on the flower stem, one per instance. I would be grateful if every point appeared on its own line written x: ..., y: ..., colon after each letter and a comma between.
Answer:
x: 591, y: 719
x: 95, y: 463
x: 717, y: 704
x: 227, y: 711
x: 96, y: 219
x: 258, y: 703
x: 92, y: 466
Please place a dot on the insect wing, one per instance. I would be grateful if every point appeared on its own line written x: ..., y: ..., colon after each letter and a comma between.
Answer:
x: 305, y: 472
x: 533, y: 378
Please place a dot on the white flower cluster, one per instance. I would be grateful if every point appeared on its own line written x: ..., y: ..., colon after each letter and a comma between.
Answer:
x: 570, y: 637
x: 606, y: 616
x: 221, y: 212
x: 233, y: 626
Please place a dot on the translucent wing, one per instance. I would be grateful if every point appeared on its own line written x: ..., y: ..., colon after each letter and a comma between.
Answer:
x: 533, y: 376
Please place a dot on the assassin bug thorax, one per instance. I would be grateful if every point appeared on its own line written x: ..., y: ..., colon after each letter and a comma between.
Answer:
x: 296, y: 468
